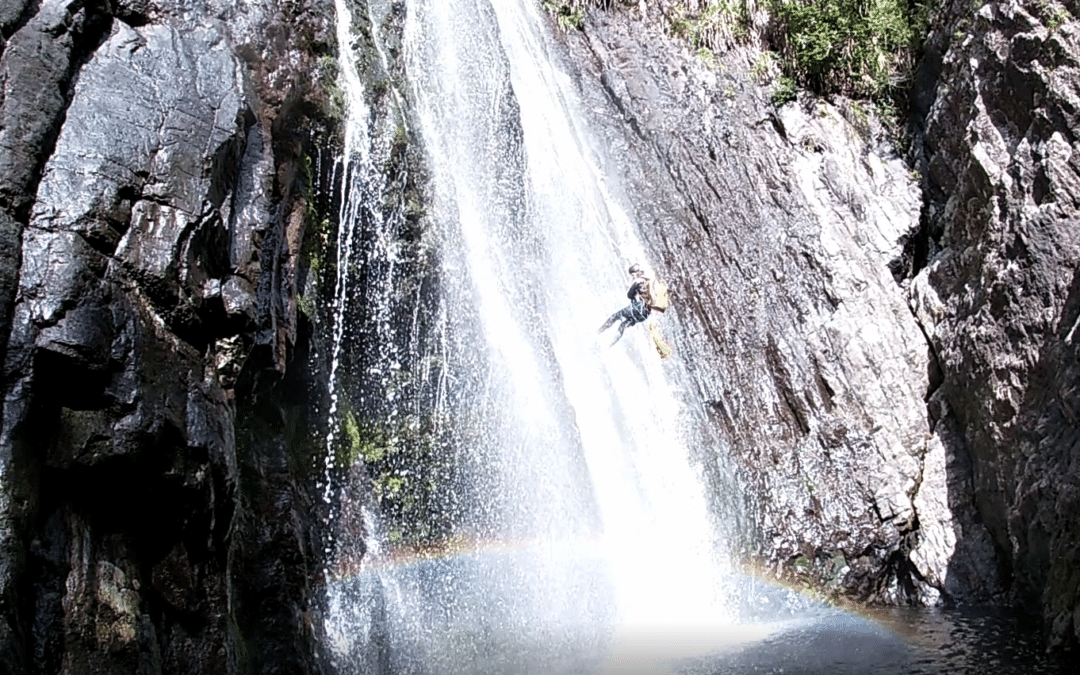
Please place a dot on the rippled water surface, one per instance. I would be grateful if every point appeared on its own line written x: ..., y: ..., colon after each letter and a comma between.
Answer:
x: 891, y: 642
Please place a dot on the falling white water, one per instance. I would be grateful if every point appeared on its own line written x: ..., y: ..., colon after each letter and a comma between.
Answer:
x: 589, y: 521
x: 347, y: 619
x: 578, y: 242
x: 355, y: 166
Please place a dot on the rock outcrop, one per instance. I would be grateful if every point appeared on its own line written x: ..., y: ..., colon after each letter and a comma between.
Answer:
x: 998, y: 293
x: 155, y: 451
x: 887, y: 352
x: 776, y: 230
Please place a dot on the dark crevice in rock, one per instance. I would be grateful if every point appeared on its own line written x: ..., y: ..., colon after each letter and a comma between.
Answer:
x: 145, y: 498
x: 935, y: 376
x: 70, y: 377
x: 276, y: 543
x: 717, y: 410
x: 825, y: 392
x: 617, y: 100
x: 907, y: 575
x: 916, y: 250
x: 135, y: 13
x: 777, y: 125
x: 47, y: 569
x: 227, y: 162
x: 105, y: 234
x: 99, y: 24
x: 920, y: 244
x: 796, y: 413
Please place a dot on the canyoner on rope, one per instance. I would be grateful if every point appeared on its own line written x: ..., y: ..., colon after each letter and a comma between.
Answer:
x: 645, y: 294
x: 637, y: 311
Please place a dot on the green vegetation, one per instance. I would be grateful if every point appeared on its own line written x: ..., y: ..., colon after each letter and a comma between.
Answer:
x: 721, y: 24
x: 317, y: 232
x: 860, y: 113
x: 1053, y: 14
x: 859, y: 48
x: 569, y: 16
x: 388, y: 429
x: 409, y: 474
x: 707, y: 56
x: 856, y: 48
x: 784, y: 91
x: 762, y: 69
x: 328, y: 70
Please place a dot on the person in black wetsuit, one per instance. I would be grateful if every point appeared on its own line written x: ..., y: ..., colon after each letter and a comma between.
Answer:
x: 638, y: 310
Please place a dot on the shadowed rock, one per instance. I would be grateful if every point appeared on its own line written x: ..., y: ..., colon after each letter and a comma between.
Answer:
x: 148, y: 171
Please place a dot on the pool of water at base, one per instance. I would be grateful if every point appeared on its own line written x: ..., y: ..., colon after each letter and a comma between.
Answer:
x: 473, y: 615
x: 889, y: 641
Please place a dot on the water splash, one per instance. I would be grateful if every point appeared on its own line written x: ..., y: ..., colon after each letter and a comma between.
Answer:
x: 584, y: 519
x: 349, y: 619
x: 367, y: 350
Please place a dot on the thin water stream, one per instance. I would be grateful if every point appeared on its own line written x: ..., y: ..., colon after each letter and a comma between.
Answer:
x: 583, y: 540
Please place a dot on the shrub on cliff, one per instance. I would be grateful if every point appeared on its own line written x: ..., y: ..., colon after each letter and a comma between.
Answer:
x: 860, y: 48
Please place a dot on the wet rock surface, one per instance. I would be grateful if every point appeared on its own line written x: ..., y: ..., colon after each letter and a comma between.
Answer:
x: 155, y: 457
x: 886, y: 352
x: 775, y: 230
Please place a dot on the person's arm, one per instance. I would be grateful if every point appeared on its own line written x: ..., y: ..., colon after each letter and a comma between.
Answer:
x: 636, y: 289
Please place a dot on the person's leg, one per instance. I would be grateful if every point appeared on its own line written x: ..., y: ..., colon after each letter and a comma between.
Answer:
x: 636, y: 313
x: 623, y: 315
x: 622, y: 329
x: 627, y: 321
x: 607, y: 324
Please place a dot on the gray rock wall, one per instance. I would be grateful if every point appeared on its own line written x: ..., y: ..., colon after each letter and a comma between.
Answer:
x: 998, y: 296
x: 155, y: 447
x: 776, y: 230
x: 886, y: 351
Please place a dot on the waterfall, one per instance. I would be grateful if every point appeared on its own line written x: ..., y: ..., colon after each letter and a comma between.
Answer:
x: 581, y: 519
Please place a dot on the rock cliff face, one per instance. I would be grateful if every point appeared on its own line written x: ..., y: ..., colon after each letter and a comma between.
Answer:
x: 776, y: 230
x: 999, y: 296
x: 888, y: 353
x: 155, y: 513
